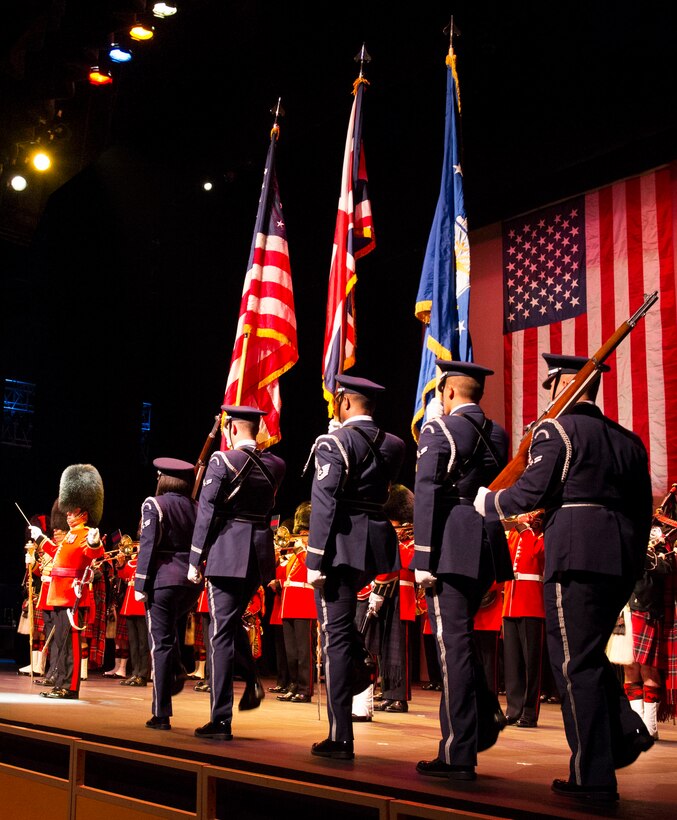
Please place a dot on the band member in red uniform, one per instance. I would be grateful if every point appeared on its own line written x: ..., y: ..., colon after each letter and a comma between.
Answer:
x: 397, y: 608
x: 134, y: 612
x: 299, y: 614
x: 524, y: 622
x: 81, y: 498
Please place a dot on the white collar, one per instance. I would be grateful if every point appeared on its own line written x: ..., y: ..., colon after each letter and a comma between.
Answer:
x: 245, y: 442
x: 356, y: 418
x: 461, y: 406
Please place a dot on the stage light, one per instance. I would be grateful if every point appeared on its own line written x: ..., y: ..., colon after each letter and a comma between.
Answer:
x: 41, y: 160
x: 207, y: 186
x: 141, y: 32
x: 164, y: 9
x: 97, y: 77
x: 119, y: 54
x: 18, y: 182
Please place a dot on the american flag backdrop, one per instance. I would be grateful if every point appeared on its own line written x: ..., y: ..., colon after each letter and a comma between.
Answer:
x: 353, y: 238
x: 265, y: 341
x: 572, y: 274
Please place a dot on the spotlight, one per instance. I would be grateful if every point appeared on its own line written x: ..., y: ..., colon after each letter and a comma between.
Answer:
x: 18, y: 182
x: 141, y: 32
x: 207, y: 186
x: 41, y: 161
x: 97, y: 77
x: 164, y: 9
x: 118, y: 54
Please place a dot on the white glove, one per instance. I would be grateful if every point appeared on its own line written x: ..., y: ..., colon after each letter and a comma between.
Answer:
x: 334, y: 425
x: 140, y: 596
x: 316, y: 578
x: 375, y: 602
x: 36, y: 533
x: 434, y: 409
x: 424, y: 578
x: 30, y: 557
x: 194, y: 574
x: 93, y: 538
x: 480, y: 498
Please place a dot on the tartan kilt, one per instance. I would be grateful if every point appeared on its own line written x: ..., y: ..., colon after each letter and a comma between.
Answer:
x: 121, y: 632
x: 646, y: 639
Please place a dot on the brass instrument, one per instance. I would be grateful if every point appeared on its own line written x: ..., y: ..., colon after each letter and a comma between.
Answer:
x: 285, y: 541
x: 125, y: 547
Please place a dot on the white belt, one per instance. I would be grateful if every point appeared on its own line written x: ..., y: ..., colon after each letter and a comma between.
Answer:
x: 45, y: 578
x: 298, y: 584
x: 406, y: 583
x: 527, y: 576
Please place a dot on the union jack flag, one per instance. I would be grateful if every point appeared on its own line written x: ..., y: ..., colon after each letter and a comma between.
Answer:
x: 353, y: 238
x: 265, y: 342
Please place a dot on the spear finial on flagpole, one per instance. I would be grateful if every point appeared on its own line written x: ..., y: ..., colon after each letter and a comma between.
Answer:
x: 277, y: 111
x: 362, y: 57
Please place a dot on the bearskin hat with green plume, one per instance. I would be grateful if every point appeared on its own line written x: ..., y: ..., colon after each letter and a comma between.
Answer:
x: 400, y: 504
x: 81, y: 488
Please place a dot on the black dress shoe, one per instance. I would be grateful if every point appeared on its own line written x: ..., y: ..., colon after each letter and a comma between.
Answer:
x: 252, y: 696
x: 525, y: 723
x: 397, y: 706
x: 438, y: 768
x: 158, y: 723
x: 215, y: 731
x: 511, y: 720
x: 382, y: 704
x: 137, y: 680
x: 428, y: 687
x: 361, y: 718
x: 288, y: 695
x: 632, y: 747
x: 592, y: 794
x: 277, y: 690
x: 60, y: 694
x: 300, y: 697
x: 203, y: 686
x: 336, y: 749
x: 45, y: 682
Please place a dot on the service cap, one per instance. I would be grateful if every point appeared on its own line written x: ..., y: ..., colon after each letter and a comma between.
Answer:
x: 454, y: 368
x: 359, y: 386
x: 559, y: 363
x: 243, y: 412
x: 175, y: 467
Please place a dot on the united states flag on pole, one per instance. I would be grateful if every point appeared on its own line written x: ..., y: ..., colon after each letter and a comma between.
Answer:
x: 573, y: 273
x: 353, y: 238
x: 265, y: 343
x: 443, y: 297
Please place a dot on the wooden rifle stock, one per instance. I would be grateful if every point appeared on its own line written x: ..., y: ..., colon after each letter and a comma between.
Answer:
x: 570, y: 395
x: 203, y: 458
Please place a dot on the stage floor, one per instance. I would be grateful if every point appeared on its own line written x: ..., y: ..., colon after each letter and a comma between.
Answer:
x: 513, y: 777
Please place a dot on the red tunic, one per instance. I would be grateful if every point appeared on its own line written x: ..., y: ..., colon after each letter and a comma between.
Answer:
x: 524, y: 595
x: 72, y: 558
x: 298, y: 596
x: 276, y: 610
x: 130, y: 606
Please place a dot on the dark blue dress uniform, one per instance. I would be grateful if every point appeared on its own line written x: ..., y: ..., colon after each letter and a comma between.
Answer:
x: 350, y: 540
x: 451, y: 542
x: 591, y: 477
x: 167, y: 523
x: 233, y: 534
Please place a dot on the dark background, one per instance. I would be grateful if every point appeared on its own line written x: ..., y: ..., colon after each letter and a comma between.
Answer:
x: 121, y: 277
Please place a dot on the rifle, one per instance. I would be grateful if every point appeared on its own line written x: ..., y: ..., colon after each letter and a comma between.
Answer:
x: 570, y: 395
x: 201, y: 463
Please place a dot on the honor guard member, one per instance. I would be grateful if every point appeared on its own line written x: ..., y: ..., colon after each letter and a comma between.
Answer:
x: 233, y: 535
x: 167, y: 523
x: 591, y: 477
x: 350, y: 540
x: 81, y: 498
x: 457, y: 560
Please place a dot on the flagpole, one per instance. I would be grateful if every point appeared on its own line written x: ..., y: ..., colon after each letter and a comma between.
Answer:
x: 274, y: 134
